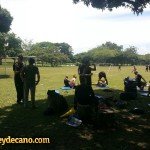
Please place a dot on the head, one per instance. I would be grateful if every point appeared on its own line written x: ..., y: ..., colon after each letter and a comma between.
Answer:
x: 31, y: 61
x: 135, y: 72
x: 102, y: 75
x: 66, y: 77
x: 74, y: 76
x: 86, y: 61
x: 20, y: 58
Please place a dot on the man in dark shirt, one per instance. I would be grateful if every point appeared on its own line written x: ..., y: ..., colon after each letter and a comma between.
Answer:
x: 17, y: 66
x: 85, y: 72
x: 80, y: 72
x: 85, y: 102
x: 138, y: 79
x: 28, y: 75
x: 88, y: 73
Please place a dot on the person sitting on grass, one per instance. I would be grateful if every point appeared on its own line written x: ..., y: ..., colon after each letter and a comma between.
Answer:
x: 134, y: 69
x: 72, y: 82
x: 66, y: 82
x: 138, y: 79
x: 102, y: 79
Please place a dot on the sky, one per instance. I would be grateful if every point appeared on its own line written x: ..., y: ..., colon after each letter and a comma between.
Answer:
x: 81, y: 27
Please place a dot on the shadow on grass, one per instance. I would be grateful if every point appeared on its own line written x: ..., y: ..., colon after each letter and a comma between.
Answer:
x: 4, y: 76
x: 16, y: 121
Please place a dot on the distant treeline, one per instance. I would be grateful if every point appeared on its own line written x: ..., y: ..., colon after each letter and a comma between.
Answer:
x: 111, y: 53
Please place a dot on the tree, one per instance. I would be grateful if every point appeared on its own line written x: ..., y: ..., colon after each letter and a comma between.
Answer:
x: 137, y: 6
x: 10, y: 45
x: 5, y: 20
x: 27, y: 44
x: 14, y: 45
x: 2, y: 49
x: 112, y: 46
x: 130, y: 55
x: 47, y: 52
x: 65, y: 49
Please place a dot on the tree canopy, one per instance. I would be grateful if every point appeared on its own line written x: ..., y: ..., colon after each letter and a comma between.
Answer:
x: 10, y: 45
x: 111, y: 53
x: 5, y: 20
x: 48, y: 52
x: 137, y: 6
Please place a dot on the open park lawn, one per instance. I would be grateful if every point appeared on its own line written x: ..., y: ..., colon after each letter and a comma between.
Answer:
x: 130, y: 131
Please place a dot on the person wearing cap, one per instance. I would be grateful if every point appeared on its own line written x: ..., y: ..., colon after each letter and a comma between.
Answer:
x: 17, y: 67
x: 138, y: 79
x: 31, y: 77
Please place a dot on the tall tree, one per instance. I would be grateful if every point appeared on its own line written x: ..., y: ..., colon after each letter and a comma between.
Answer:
x: 13, y: 47
x: 65, y: 49
x: 10, y: 45
x: 112, y: 46
x: 5, y: 20
x: 5, y: 23
x: 27, y: 44
x: 137, y: 6
x: 47, y: 52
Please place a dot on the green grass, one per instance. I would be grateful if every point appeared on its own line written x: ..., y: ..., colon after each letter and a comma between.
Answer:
x: 131, y: 131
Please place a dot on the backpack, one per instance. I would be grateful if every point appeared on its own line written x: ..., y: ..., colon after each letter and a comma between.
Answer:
x: 130, y: 90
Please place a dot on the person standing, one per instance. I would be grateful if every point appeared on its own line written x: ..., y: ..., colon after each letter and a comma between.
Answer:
x: 119, y: 67
x: 31, y: 77
x: 88, y: 72
x: 80, y: 72
x: 146, y: 68
x: 17, y: 66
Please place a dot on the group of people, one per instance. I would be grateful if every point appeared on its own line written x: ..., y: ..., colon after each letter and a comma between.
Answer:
x: 70, y: 83
x: 26, y: 77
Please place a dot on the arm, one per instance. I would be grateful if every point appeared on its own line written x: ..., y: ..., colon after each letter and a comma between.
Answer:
x: 143, y: 79
x: 106, y: 81
x: 93, y: 69
x: 38, y: 79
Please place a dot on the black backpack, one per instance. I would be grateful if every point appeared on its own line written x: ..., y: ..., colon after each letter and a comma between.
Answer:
x: 130, y: 89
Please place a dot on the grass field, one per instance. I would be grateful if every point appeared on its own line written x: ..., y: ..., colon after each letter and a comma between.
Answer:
x: 16, y: 121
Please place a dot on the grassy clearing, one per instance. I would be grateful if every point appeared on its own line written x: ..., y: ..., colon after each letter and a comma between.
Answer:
x: 15, y: 121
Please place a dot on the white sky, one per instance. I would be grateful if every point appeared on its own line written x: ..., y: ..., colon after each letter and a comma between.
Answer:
x: 80, y: 26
